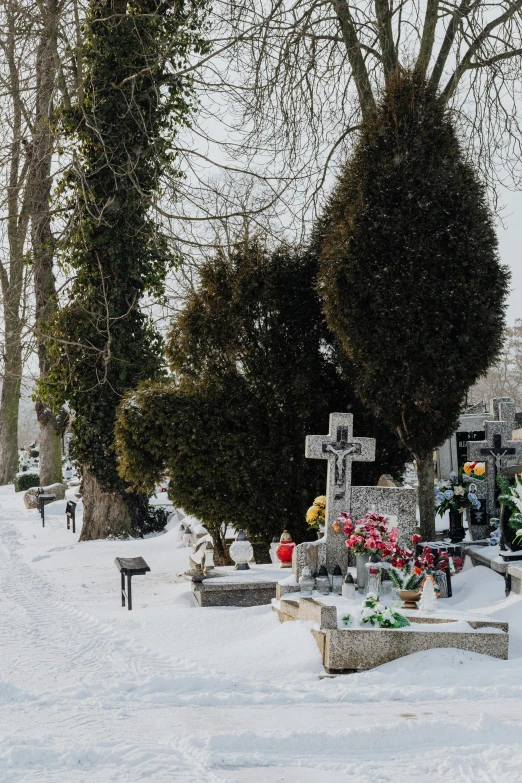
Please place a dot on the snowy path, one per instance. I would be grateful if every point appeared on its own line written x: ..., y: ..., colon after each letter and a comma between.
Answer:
x: 170, y: 692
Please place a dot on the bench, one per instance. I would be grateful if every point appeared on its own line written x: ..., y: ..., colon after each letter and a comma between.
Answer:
x: 70, y: 515
x: 41, y: 500
x: 129, y: 567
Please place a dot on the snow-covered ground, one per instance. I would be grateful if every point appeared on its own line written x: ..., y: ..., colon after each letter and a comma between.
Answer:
x: 172, y: 692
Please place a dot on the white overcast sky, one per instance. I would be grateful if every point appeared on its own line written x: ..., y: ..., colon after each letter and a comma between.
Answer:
x: 510, y: 244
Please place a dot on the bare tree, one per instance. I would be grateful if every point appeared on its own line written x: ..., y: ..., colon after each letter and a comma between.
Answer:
x: 40, y: 153
x: 41, y: 67
x: 505, y: 377
x: 15, y: 75
x: 291, y: 81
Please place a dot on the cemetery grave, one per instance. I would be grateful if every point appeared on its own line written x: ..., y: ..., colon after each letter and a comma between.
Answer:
x: 347, y: 646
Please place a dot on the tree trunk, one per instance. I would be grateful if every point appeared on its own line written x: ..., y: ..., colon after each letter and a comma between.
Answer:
x: 50, y: 454
x: 222, y: 557
x: 105, y: 515
x: 40, y: 152
x: 9, y: 402
x: 426, y: 479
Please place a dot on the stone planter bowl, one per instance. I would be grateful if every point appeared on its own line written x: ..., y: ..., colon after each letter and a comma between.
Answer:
x: 410, y: 598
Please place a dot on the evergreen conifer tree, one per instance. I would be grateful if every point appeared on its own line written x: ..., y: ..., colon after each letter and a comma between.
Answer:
x: 255, y: 370
x: 410, y: 275
x: 101, y: 344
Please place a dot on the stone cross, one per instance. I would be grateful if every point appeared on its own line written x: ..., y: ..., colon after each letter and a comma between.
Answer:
x: 496, y: 451
x: 341, y: 449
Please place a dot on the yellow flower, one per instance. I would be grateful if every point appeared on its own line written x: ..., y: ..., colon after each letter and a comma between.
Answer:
x: 480, y: 468
x: 311, y: 514
x: 467, y: 468
x: 320, y: 501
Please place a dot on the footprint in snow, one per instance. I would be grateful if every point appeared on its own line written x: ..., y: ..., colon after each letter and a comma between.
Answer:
x: 39, y: 557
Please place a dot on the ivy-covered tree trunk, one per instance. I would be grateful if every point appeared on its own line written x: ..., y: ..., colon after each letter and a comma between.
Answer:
x: 101, y: 344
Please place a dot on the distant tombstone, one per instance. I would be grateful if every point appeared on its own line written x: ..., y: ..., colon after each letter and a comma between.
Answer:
x: 454, y: 452
x: 498, y: 451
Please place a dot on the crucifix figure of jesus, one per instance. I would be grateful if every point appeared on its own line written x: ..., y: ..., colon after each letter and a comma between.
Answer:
x: 340, y: 454
x: 341, y: 449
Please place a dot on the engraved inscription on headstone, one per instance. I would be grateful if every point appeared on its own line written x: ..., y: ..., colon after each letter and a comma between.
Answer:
x: 462, y: 444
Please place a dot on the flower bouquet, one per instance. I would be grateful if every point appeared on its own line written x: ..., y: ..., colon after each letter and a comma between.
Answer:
x: 315, y: 516
x: 369, y: 535
x: 459, y: 493
x: 374, y: 613
x: 409, y: 572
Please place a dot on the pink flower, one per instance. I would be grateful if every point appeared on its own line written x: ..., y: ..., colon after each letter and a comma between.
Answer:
x: 371, y: 544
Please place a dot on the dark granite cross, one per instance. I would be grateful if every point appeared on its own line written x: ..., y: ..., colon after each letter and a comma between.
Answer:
x: 495, y: 450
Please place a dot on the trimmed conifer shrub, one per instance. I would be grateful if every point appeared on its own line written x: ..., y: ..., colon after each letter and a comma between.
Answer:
x: 25, y: 481
x: 255, y: 370
x: 410, y: 275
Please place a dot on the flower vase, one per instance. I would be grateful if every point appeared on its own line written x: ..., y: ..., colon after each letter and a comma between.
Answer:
x: 507, y: 533
x: 456, y: 531
x: 362, y: 572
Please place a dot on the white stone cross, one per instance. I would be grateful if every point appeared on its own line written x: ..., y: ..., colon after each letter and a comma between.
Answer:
x: 340, y: 448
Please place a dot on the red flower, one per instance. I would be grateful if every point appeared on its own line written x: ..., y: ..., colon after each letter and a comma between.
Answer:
x: 416, y: 539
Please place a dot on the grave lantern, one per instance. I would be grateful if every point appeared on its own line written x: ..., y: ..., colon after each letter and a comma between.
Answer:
x: 209, y: 556
x: 306, y: 582
x: 285, y: 549
x: 322, y: 581
x: 337, y: 580
x: 272, y: 552
x: 241, y: 551
x: 373, y: 581
x: 348, y: 588
x: 187, y: 536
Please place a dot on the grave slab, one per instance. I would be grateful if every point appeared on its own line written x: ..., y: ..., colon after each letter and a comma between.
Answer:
x: 228, y: 587
x: 357, y: 648
x: 488, y: 556
x: 515, y: 572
